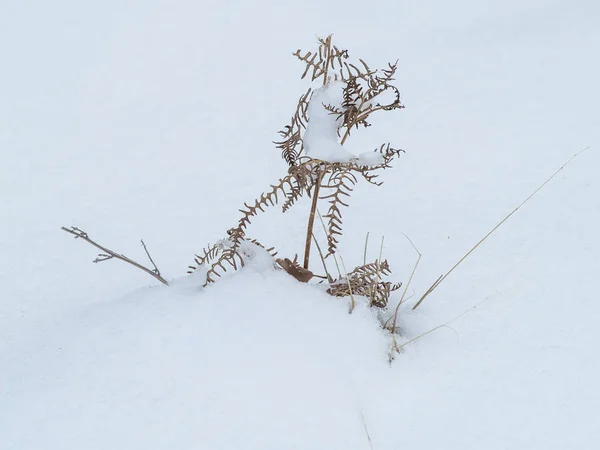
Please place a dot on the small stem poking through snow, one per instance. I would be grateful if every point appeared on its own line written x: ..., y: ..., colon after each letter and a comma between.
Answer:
x: 402, y: 299
x: 156, y: 271
x: 329, y: 278
x: 366, y: 429
x: 353, y: 303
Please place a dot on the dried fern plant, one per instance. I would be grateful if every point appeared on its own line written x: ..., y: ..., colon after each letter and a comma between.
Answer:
x: 366, y: 280
x: 330, y: 182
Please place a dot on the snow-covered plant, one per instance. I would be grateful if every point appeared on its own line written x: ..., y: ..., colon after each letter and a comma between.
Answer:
x: 342, y: 98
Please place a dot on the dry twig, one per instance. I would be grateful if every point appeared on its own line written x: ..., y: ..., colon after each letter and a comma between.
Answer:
x: 109, y: 254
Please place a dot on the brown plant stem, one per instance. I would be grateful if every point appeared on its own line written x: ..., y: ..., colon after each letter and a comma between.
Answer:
x: 311, y: 221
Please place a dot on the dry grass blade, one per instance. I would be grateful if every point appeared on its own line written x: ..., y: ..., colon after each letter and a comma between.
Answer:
x: 349, y: 291
x: 327, y: 274
x: 498, y: 225
x: 446, y: 324
x: 365, y: 252
x: 366, y: 429
x: 394, y: 318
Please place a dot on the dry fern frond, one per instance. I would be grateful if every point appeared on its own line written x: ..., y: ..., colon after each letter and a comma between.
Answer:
x: 363, y: 91
x: 292, y: 196
x: 299, y: 180
x: 388, y: 155
x: 303, y: 179
x: 271, y: 198
x: 366, y: 280
x: 363, y: 87
x: 362, y: 94
x: 225, y: 254
x: 209, y: 253
x: 373, y: 269
x: 291, y: 145
x: 323, y: 60
x: 342, y: 182
x: 326, y: 60
x: 230, y: 256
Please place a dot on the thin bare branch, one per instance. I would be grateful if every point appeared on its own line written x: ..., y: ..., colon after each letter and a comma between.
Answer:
x: 109, y: 254
x: 156, y: 271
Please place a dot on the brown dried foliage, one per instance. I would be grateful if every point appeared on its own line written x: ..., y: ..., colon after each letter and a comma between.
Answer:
x: 334, y: 182
x: 295, y: 269
x: 366, y: 280
x: 362, y: 93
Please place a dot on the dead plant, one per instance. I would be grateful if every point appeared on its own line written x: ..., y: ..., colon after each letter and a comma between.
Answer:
x: 109, y: 254
x: 366, y: 280
x: 365, y: 91
x: 332, y: 182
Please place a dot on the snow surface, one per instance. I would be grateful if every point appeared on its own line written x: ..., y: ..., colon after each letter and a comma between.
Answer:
x: 154, y: 120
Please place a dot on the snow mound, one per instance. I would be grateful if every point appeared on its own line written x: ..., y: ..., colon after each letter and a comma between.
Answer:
x: 256, y: 361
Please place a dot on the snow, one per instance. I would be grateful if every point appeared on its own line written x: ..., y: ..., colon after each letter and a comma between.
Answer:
x: 321, y: 140
x: 191, y: 369
x: 132, y: 120
x: 321, y: 136
x: 370, y: 159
